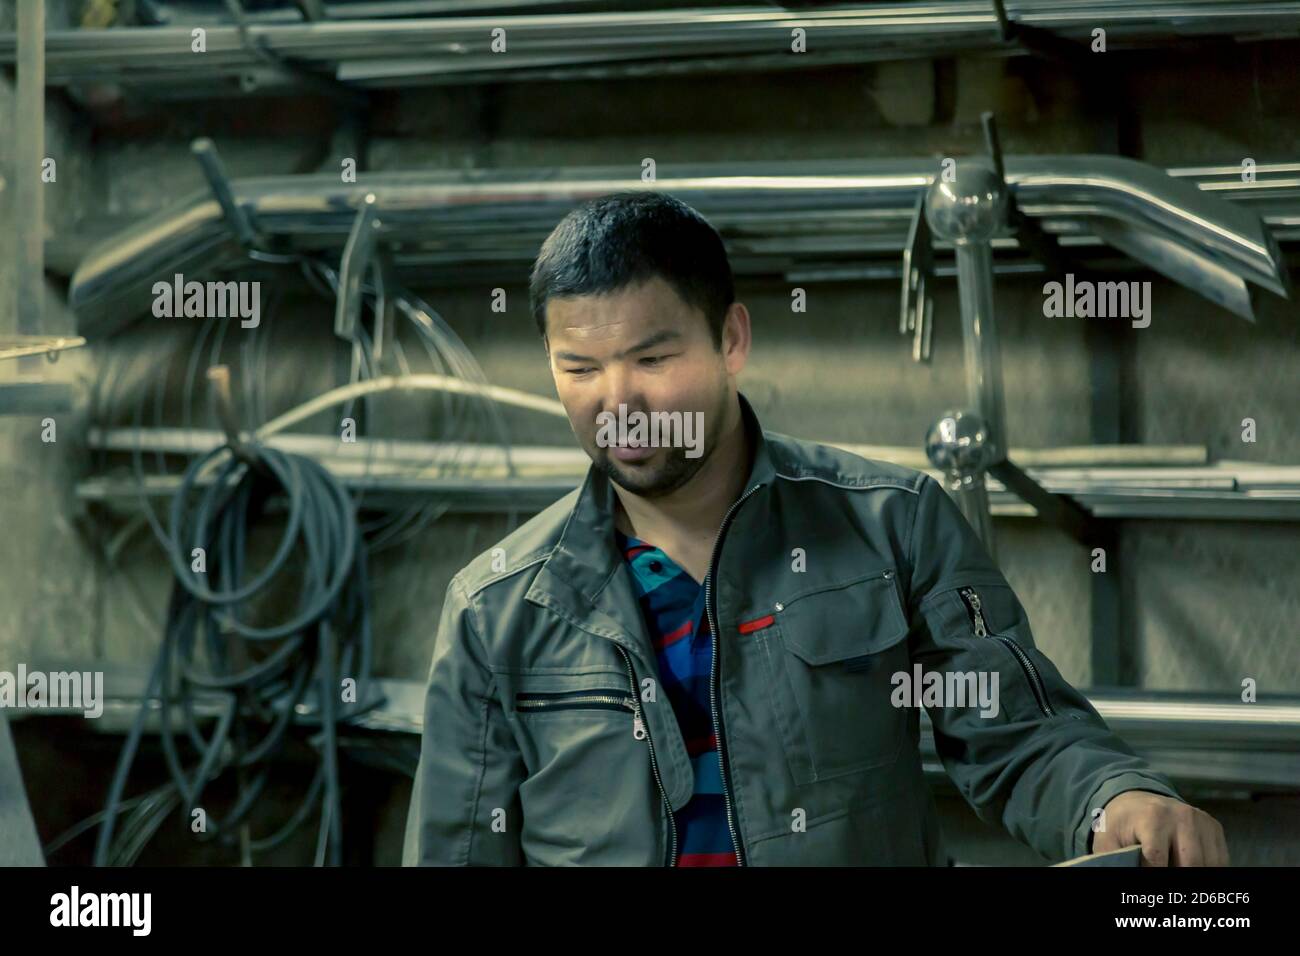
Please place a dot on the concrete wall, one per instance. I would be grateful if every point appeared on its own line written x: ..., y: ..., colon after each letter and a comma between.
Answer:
x: 1207, y: 603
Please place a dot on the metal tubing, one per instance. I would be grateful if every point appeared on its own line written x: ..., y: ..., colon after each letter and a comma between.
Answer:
x: 968, y: 210
x: 29, y: 204
x: 983, y: 361
x: 820, y: 206
x: 441, y: 48
x: 1174, y: 261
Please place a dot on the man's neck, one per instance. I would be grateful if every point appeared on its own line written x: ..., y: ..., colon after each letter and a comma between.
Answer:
x: 691, y: 515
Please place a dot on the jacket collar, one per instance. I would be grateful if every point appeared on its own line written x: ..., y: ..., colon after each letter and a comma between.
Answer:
x: 585, y: 579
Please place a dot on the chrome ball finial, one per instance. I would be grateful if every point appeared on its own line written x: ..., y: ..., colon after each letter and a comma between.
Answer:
x: 971, y: 208
x: 958, y: 443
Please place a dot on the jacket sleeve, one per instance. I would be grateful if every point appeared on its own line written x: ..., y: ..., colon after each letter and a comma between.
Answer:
x: 465, y: 802
x: 1041, y: 764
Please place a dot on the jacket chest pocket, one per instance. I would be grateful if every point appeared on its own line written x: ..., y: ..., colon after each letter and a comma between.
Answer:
x: 563, y: 721
x: 832, y: 653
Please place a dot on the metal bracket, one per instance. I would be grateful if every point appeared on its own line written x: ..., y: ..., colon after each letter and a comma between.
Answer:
x: 223, y: 399
x: 356, y: 261
x: 916, y: 312
x: 1031, y: 237
x: 916, y: 308
x: 205, y: 151
x: 19, y: 346
x: 1057, y: 510
x: 313, y: 10
x: 1036, y: 40
x: 386, y: 312
x: 318, y: 82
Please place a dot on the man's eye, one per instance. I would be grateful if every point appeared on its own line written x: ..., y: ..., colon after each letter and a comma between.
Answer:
x: 577, y: 371
x: 653, y: 360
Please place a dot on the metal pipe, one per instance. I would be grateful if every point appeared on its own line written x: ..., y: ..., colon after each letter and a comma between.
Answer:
x: 47, y: 345
x: 968, y: 210
x: 29, y: 204
x: 479, y: 488
x: 441, y: 48
x: 493, y: 215
x: 1201, y: 720
x: 980, y: 353
x: 1079, y: 467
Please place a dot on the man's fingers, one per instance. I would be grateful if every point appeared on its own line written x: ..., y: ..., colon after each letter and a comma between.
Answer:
x: 1221, y: 846
x: 1103, y: 841
x: 1209, y: 843
x: 1187, y: 846
x: 1198, y: 840
x: 1185, y: 840
x: 1155, y: 837
x: 1216, y: 846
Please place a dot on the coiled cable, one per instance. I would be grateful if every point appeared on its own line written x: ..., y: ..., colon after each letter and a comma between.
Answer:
x: 219, y: 646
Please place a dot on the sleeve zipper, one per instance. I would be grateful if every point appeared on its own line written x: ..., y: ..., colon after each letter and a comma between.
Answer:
x: 976, y: 612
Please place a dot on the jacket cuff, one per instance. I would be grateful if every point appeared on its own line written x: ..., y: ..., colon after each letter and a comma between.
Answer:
x: 1110, y: 788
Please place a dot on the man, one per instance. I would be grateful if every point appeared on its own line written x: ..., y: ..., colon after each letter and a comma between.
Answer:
x: 694, y: 658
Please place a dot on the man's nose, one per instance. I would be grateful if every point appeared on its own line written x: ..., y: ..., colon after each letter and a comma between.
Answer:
x: 620, y: 388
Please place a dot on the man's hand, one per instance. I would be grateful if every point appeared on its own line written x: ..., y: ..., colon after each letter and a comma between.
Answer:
x: 1171, y: 832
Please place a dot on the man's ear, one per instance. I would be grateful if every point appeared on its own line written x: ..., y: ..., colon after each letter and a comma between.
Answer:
x: 736, y: 339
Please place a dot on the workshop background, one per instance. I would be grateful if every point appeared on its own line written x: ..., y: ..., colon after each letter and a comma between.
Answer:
x: 1201, y: 587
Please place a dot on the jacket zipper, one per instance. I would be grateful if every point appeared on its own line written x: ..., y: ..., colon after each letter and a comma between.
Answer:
x: 713, y: 673
x: 596, y: 699
x: 975, y: 609
x: 640, y: 732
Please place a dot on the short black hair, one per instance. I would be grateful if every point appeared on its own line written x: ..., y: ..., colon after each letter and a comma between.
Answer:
x: 622, y: 239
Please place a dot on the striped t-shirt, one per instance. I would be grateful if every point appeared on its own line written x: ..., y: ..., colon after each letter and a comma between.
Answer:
x: 672, y: 603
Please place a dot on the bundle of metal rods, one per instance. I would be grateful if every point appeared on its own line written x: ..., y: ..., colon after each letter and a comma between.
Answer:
x: 792, y: 219
x: 162, y: 60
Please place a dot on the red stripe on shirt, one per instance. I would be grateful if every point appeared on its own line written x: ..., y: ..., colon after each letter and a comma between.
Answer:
x: 707, y: 859
x: 676, y: 635
x: 701, y: 745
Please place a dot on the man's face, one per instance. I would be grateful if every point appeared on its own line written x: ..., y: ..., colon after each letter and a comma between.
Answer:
x: 642, y: 347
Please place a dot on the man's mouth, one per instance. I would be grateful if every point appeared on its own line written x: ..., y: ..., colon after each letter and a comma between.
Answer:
x: 631, y: 452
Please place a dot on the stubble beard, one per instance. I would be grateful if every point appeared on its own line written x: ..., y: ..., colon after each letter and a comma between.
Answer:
x: 663, y: 478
